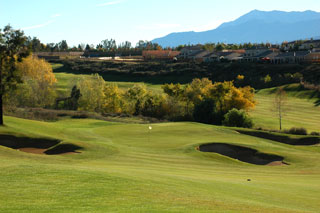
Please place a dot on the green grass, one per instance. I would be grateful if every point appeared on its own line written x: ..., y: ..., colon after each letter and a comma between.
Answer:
x: 123, y: 169
x: 301, y: 109
x: 65, y: 81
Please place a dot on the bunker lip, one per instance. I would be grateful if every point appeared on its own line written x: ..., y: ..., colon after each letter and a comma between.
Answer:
x: 243, y: 154
x: 40, y: 146
x: 304, y: 141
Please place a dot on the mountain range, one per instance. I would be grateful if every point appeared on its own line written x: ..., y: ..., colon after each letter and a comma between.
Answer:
x: 255, y: 27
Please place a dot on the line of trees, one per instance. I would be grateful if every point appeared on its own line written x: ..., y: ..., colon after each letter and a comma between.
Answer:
x: 201, y: 100
x: 107, y: 45
x: 110, y: 45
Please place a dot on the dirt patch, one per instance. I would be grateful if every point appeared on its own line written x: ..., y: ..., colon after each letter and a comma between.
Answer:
x: 33, y: 150
x: 244, y: 154
x: 304, y: 141
x: 38, y: 145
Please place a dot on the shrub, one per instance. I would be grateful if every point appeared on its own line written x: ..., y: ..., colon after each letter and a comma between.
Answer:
x: 237, y: 118
x: 315, y: 133
x: 297, y: 131
x: 205, y: 112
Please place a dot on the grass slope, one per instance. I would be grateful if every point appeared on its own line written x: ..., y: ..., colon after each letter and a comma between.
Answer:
x: 301, y: 109
x: 123, y: 168
x: 65, y: 81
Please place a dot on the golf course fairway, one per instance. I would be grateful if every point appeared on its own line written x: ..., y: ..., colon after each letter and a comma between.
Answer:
x: 121, y: 167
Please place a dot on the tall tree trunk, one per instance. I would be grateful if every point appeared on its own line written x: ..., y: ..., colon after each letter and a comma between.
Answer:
x: 280, y: 123
x: 280, y: 117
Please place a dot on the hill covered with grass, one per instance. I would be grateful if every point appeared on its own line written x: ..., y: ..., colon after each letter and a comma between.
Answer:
x: 302, y: 109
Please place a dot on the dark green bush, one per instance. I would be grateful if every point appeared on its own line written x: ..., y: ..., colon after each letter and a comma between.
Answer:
x: 206, y: 112
x: 296, y: 131
x: 237, y: 118
x: 315, y: 133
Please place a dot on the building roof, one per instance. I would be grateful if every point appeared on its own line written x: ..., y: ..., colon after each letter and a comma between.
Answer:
x: 231, y: 56
x: 210, y: 55
x: 268, y: 54
x: 257, y: 48
x: 199, y: 53
x: 224, y: 54
x: 293, y: 54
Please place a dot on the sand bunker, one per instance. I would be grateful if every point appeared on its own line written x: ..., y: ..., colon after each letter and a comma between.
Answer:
x: 37, y: 145
x: 244, y: 154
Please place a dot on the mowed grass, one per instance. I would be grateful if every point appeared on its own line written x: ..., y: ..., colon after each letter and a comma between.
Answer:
x: 301, y: 110
x: 126, y: 168
x: 65, y: 81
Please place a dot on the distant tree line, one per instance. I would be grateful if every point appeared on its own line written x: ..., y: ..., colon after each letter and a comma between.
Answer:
x: 107, y: 45
x: 110, y: 45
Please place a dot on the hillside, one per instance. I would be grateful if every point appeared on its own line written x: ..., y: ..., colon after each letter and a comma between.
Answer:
x: 157, y: 72
x: 301, y: 109
x: 255, y: 27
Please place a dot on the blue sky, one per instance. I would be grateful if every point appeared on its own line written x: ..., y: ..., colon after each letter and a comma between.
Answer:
x: 90, y: 21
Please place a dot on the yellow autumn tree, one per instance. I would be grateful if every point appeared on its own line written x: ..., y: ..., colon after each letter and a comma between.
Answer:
x: 227, y: 96
x: 197, y: 90
x: 38, y: 87
x: 240, y: 98
x: 92, y: 93
x: 113, y: 101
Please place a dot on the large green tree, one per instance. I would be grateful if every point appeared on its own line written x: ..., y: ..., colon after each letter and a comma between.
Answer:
x: 13, y: 48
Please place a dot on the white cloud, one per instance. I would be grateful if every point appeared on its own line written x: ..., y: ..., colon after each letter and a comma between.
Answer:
x: 157, y: 26
x: 38, y: 26
x: 56, y: 15
x: 109, y: 3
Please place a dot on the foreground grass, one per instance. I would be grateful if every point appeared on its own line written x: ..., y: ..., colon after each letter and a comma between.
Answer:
x: 123, y: 168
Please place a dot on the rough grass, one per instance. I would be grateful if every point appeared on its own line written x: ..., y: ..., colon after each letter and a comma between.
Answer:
x: 125, y: 168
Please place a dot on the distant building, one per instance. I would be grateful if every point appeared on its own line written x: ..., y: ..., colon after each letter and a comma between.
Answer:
x: 230, y: 56
x: 211, y: 57
x: 186, y: 52
x: 222, y: 56
x: 289, y: 45
x: 266, y: 56
x: 198, y: 55
x: 313, y: 57
x: 310, y: 44
x: 255, y: 51
x: 290, y: 57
